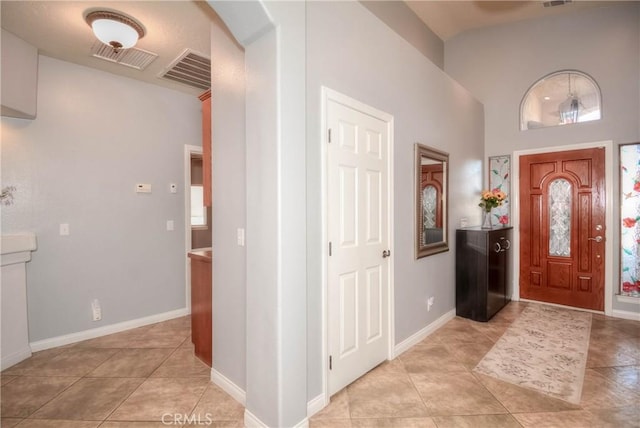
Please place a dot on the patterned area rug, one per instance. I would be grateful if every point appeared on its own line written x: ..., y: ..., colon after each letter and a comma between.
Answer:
x: 545, y: 349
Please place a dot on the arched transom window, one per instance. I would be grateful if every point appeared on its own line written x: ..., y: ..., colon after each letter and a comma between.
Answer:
x: 560, y: 98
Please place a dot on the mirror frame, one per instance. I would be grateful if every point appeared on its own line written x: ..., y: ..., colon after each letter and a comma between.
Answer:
x: 438, y: 247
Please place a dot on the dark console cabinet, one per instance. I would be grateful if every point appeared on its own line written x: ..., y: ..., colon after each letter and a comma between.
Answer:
x: 483, y: 263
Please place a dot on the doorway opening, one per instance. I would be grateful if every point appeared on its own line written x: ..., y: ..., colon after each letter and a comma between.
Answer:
x: 200, y: 215
x: 197, y: 224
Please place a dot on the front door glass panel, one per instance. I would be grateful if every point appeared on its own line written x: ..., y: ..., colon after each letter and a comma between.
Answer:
x: 560, y: 218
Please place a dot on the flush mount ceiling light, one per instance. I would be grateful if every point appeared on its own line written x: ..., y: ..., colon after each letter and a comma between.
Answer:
x: 115, y: 29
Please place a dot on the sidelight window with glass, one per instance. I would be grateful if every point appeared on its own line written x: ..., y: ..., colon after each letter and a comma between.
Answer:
x: 630, y: 220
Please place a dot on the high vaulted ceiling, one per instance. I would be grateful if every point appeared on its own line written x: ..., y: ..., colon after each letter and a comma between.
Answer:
x: 450, y: 18
x: 58, y: 28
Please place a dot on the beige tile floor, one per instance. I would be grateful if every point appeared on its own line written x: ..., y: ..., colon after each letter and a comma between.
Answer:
x: 433, y: 385
x: 131, y: 379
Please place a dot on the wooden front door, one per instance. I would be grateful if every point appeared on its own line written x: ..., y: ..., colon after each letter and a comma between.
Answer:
x: 562, y: 228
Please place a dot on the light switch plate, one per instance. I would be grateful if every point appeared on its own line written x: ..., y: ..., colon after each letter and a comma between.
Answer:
x: 143, y: 188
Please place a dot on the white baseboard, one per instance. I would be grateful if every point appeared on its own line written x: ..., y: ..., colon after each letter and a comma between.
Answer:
x: 229, y: 387
x: 420, y: 335
x: 251, y: 421
x: 628, y: 315
x: 316, y: 404
x: 15, y: 358
x: 302, y: 424
x: 313, y: 406
x: 66, y: 339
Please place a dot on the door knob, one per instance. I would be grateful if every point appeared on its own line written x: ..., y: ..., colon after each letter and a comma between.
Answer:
x: 597, y: 239
x: 386, y: 253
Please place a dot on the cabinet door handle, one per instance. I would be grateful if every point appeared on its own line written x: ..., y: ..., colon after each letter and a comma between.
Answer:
x: 497, y: 248
x: 508, y: 245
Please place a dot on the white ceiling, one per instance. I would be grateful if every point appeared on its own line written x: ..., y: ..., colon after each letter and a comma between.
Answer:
x: 450, y: 18
x: 58, y: 29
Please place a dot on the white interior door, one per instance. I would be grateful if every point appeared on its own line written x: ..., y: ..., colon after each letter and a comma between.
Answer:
x: 358, y: 230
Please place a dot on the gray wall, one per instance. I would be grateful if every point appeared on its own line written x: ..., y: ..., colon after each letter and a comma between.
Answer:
x: 373, y: 64
x: 229, y: 204
x: 499, y: 64
x: 273, y: 34
x: 276, y: 227
x: 404, y: 21
x: 263, y: 376
x: 95, y: 137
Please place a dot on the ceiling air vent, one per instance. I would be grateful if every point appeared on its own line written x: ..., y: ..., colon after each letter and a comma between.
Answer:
x: 132, y: 57
x: 552, y: 3
x: 191, y: 69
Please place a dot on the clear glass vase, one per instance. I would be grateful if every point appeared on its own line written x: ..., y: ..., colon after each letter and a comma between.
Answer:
x: 486, y: 220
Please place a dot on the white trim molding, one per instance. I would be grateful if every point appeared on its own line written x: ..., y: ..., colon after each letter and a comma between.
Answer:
x: 229, y: 387
x: 609, y: 236
x: 67, y: 339
x: 316, y: 404
x: 13, y: 359
x: 421, y: 334
x: 302, y: 424
x: 628, y: 299
x: 628, y: 315
x: 252, y: 421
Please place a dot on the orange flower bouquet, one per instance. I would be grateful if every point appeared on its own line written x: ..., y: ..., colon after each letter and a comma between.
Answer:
x: 491, y: 199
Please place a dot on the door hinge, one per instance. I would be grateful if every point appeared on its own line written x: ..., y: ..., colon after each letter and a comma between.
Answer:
x: 329, y: 249
x: 330, y: 363
x: 329, y: 134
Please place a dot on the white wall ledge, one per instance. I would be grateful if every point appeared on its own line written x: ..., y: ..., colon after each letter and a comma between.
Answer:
x: 627, y: 299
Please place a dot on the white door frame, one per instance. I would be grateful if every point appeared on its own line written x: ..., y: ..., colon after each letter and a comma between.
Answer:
x: 515, y: 216
x: 188, y: 151
x: 326, y: 96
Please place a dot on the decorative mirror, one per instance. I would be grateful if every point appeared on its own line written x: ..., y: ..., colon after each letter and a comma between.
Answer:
x: 432, y: 174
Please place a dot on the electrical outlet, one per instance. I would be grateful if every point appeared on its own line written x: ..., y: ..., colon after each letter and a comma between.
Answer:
x: 96, y: 309
x: 430, y: 301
